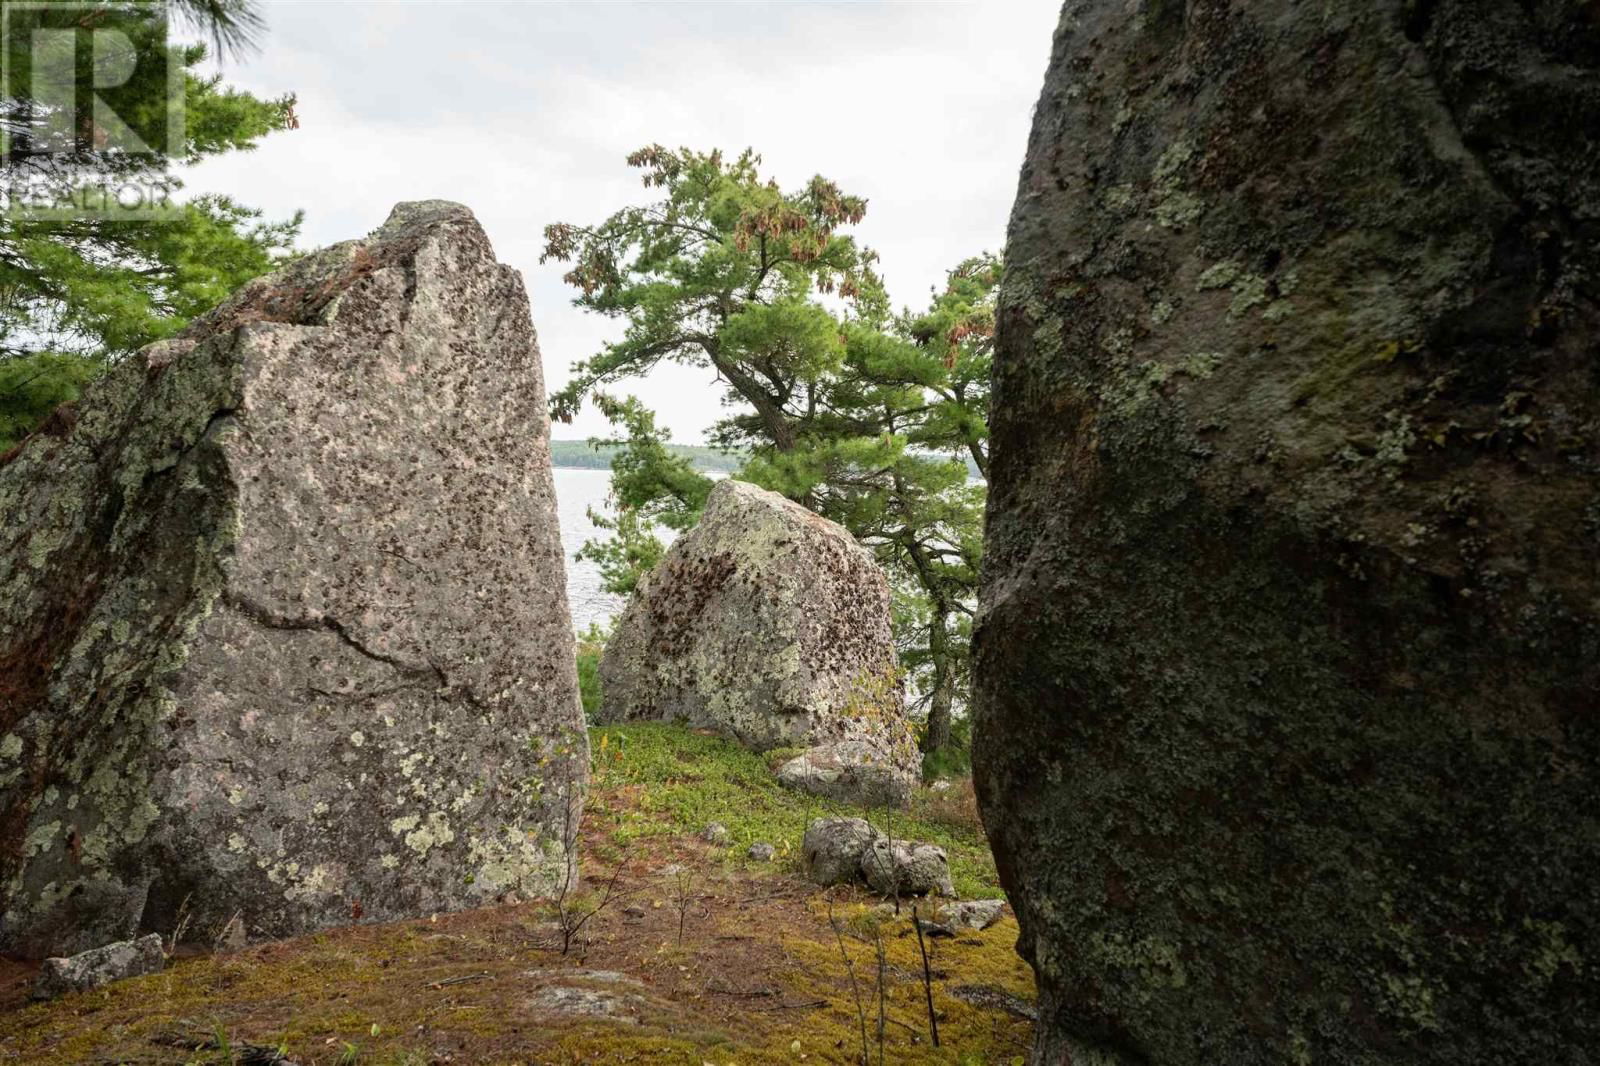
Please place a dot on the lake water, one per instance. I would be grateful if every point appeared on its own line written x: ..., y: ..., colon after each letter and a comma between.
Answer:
x: 577, y: 490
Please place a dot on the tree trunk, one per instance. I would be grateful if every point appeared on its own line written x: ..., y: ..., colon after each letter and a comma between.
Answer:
x: 937, y: 737
x: 771, y: 412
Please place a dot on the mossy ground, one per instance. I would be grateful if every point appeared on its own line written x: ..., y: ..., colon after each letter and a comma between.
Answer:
x: 653, y: 780
x: 757, y: 977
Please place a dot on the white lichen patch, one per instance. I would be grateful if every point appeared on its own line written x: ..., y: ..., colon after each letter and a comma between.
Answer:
x: 42, y: 838
x: 435, y: 833
x: 1174, y: 207
x: 515, y: 860
x: 42, y: 542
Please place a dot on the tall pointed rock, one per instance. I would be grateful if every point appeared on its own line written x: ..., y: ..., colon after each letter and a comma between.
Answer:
x: 283, y: 627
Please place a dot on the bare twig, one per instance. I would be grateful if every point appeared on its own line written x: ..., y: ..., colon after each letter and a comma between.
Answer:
x: 682, y: 898
x: 927, y: 977
x: 463, y: 979
x: 855, y: 988
x: 810, y: 1004
x: 574, y: 914
x: 739, y: 992
x: 883, y: 987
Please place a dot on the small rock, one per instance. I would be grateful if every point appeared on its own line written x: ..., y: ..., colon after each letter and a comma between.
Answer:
x: 572, y: 992
x: 906, y: 868
x: 850, y: 771
x: 940, y: 785
x: 988, y: 997
x: 716, y: 833
x: 99, y: 966
x: 970, y: 914
x: 588, y: 1002
x: 761, y: 851
x: 831, y: 852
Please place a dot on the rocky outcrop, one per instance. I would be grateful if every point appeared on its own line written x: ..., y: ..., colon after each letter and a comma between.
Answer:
x: 832, y: 849
x: 99, y: 966
x: 768, y: 625
x: 838, y: 851
x: 852, y: 772
x: 906, y: 868
x: 283, y: 632
x: 973, y: 914
x: 1288, y: 661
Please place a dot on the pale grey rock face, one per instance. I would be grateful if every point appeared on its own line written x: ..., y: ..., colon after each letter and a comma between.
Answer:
x: 852, y: 772
x: 597, y: 994
x: 715, y: 833
x: 768, y: 625
x: 844, y: 850
x: 970, y: 914
x: 832, y: 848
x: 906, y: 868
x: 283, y: 627
x: 99, y: 966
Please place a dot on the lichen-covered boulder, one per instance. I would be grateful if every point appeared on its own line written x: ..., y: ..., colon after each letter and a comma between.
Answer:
x: 283, y: 631
x: 99, y: 966
x: 850, y: 771
x: 832, y: 848
x: 767, y: 624
x: 1288, y: 664
x: 906, y: 868
x: 838, y: 851
x: 976, y: 914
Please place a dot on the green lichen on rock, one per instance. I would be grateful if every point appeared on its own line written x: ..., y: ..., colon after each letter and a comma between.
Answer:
x: 767, y: 625
x: 1289, y: 656
x: 258, y: 606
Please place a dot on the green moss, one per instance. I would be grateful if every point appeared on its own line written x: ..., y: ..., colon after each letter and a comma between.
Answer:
x: 655, y: 780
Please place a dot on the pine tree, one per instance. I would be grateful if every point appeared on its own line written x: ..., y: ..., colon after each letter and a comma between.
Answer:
x: 886, y: 453
x: 77, y: 293
x: 722, y: 272
x: 871, y: 420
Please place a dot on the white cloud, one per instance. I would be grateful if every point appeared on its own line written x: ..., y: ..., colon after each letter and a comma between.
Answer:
x: 524, y: 112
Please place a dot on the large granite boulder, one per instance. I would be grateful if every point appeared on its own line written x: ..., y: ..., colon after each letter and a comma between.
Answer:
x: 1288, y: 668
x: 766, y: 624
x: 283, y: 629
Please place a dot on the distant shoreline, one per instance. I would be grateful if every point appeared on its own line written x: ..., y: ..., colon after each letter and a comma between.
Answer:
x: 581, y: 455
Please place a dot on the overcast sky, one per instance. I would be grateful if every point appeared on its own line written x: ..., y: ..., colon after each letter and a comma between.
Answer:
x: 525, y: 111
